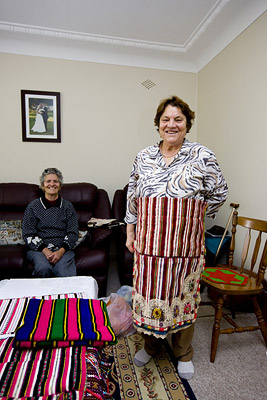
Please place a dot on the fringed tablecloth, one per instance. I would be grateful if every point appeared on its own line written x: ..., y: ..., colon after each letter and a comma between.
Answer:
x: 168, y: 261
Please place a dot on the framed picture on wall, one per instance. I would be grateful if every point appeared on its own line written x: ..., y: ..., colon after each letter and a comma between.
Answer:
x: 40, y: 113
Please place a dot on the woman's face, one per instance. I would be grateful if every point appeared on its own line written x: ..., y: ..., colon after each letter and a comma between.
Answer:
x: 172, y: 126
x: 51, y: 186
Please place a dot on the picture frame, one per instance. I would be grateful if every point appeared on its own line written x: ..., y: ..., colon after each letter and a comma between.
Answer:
x: 40, y: 111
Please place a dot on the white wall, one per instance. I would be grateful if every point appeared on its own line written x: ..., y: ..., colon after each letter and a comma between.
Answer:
x: 232, y: 107
x: 232, y: 103
x: 107, y: 117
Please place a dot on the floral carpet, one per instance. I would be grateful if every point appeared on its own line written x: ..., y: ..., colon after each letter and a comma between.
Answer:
x: 156, y: 380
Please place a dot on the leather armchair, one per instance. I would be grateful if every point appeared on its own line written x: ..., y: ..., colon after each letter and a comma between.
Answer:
x: 91, y: 256
x: 124, y: 257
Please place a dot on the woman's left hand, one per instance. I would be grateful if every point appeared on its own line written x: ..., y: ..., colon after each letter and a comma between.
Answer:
x: 56, y: 255
x: 130, y: 230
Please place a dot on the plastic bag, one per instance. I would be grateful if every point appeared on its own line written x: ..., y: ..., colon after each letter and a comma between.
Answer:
x: 126, y: 292
x: 120, y: 315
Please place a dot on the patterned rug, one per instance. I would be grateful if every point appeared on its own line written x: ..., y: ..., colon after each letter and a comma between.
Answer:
x: 157, y: 380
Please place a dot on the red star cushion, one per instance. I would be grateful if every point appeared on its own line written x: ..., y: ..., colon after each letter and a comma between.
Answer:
x: 225, y: 276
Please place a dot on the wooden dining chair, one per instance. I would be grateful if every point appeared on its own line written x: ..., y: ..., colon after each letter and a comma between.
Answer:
x: 228, y: 281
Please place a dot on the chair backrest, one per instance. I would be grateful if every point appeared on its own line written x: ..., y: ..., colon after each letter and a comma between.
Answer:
x: 250, y: 244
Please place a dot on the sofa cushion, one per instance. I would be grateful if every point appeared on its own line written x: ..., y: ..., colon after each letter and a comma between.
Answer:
x: 10, y: 232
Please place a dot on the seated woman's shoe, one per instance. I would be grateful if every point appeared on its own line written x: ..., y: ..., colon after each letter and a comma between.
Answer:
x: 141, y: 358
x: 185, y: 369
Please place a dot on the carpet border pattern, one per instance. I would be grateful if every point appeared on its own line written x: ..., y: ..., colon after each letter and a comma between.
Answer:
x: 157, y: 380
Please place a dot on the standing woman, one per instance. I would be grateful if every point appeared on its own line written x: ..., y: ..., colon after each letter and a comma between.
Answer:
x: 173, y: 185
x: 50, y: 229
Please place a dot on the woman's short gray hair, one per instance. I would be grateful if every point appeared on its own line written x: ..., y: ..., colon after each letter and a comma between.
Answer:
x: 49, y: 171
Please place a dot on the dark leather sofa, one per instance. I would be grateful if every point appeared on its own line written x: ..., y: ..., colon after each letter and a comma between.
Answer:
x: 124, y: 257
x: 92, y: 255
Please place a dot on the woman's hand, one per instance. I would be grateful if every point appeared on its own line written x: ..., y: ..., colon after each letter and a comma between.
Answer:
x: 130, y: 230
x: 53, y: 257
x: 47, y: 253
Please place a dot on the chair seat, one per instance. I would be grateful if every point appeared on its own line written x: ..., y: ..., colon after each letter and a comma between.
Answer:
x: 250, y: 288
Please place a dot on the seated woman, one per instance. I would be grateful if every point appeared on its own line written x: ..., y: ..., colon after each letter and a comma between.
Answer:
x: 50, y: 229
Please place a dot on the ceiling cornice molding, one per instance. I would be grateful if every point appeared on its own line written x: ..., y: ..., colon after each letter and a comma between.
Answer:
x: 116, y: 41
x: 206, y: 22
x: 85, y: 37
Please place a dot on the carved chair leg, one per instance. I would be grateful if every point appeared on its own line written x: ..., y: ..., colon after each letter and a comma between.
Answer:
x: 261, y: 322
x: 216, y: 327
x: 232, y: 301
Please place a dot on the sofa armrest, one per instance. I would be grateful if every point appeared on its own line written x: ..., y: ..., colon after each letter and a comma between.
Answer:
x: 99, y: 236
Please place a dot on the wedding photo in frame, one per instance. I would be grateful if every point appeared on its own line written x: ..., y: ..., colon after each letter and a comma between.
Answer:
x: 40, y: 116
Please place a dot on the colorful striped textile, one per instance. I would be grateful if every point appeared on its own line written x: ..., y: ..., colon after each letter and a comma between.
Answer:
x: 47, y: 374
x: 12, y: 311
x: 168, y: 227
x: 44, y: 374
x: 63, y: 323
x: 168, y: 261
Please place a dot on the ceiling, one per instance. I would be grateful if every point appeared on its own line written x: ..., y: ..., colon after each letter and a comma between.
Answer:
x: 178, y: 35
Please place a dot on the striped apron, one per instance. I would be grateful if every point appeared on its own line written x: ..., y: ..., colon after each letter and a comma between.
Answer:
x: 168, y: 261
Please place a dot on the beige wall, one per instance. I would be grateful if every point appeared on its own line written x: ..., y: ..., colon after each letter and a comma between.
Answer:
x: 232, y: 107
x: 107, y: 117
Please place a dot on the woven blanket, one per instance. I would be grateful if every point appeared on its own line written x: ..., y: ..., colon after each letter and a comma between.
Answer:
x: 47, y: 374
x: 12, y: 311
x: 63, y: 323
x: 42, y: 374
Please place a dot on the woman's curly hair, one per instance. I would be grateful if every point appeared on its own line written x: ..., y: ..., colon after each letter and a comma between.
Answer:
x: 175, y: 102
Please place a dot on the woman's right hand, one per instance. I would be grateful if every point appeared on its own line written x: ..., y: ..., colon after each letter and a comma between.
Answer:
x: 47, y: 253
x: 130, y: 230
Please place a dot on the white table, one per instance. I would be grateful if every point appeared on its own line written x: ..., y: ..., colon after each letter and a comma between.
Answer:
x: 17, y: 288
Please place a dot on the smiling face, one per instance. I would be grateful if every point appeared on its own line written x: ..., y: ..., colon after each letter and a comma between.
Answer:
x: 172, y: 126
x: 51, y: 186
